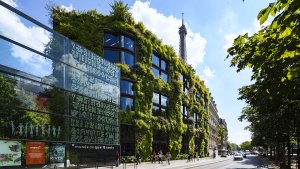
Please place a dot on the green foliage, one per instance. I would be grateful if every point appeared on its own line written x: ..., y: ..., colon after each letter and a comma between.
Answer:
x: 273, y: 55
x: 75, y: 24
x: 246, y: 145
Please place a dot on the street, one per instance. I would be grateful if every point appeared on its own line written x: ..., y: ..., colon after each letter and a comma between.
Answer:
x: 250, y: 162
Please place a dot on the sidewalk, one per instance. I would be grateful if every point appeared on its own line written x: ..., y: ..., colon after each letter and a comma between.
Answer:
x: 174, y: 164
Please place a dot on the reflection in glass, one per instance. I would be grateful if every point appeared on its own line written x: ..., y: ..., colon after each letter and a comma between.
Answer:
x: 126, y: 103
x: 155, y: 71
x: 155, y: 98
x: 126, y: 87
x: 164, y: 100
x: 128, y: 43
x: 112, y: 55
x: 155, y: 110
x: 163, y: 65
x: 155, y: 60
x: 164, y: 77
x: 127, y: 59
x: 111, y: 40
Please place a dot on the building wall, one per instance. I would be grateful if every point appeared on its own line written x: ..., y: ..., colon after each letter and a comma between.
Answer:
x: 180, y: 88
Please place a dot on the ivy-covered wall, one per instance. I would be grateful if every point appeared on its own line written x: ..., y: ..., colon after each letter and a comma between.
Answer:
x: 87, y: 28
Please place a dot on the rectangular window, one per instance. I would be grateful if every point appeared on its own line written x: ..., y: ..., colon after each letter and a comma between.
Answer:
x: 185, y: 83
x: 128, y: 43
x: 184, y: 114
x: 160, y: 104
x: 159, y: 68
x: 127, y: 95
x: 198, y: 96
x: 111, y: 40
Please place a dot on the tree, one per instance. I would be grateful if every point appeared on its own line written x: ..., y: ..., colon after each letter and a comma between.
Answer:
x: 246, y: 145
x: 120, y: 12
x: 273, y: 55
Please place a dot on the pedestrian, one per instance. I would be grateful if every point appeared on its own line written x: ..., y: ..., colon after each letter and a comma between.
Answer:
x: 153, y: 156
x: 160, y: 157
x: 137, y: 156
x: 117, y: 159
x: 168, y: 157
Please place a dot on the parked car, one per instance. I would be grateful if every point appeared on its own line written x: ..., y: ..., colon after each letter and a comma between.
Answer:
x: 223, y: 155
x: 238, y: 156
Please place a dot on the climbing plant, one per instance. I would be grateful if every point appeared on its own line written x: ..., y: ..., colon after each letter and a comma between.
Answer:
x: 87, y: 28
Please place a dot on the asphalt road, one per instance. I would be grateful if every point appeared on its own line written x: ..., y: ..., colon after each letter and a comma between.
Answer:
x: 250, y: 162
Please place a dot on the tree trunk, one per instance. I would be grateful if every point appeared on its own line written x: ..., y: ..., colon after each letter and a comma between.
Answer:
x: 289, y: 151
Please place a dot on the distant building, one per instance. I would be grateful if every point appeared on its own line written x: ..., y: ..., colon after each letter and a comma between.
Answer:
x: 223, y: 144
x: 213, y: 126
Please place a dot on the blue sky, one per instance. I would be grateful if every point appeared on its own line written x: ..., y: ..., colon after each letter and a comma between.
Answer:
x: 212, y: 25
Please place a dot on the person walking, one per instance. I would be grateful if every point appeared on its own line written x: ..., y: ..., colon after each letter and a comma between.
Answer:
x: 168, y: 157
x: 117, y: 159
x: 153, y: 156
x: 137, y: 156
x: 160, y: 157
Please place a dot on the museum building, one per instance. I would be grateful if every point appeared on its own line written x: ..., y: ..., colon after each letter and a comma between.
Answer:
x: 164, y: 105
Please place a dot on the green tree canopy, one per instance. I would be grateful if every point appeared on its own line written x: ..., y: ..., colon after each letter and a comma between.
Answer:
x: 246, y: 145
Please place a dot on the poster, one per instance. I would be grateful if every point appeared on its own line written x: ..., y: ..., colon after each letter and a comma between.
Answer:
x: 10, y: 153
x: 35, y: 153
x: 57, y: 153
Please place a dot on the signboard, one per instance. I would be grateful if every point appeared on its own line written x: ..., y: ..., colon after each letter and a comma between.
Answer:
x: 35, y: 153
x: 57, y: 153
x: 10, y: 153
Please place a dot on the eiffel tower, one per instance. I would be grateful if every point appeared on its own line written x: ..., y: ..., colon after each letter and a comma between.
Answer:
x: 182, y: 42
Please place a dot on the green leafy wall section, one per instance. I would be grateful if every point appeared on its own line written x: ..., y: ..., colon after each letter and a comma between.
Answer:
x: 87, y: 28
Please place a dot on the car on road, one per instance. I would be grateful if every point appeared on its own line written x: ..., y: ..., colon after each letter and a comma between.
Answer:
x: 238, y: 156
x: 223, y: 155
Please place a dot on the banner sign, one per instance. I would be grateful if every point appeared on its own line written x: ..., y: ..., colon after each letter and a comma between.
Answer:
x: 35, y: 153
x: 10, y: 153
x: 57, y: 153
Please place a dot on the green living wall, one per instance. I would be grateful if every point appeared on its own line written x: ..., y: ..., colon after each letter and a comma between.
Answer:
x: 87, y: 28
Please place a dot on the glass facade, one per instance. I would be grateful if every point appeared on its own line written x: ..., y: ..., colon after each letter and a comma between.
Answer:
x: 56, y: 95
x: 160, y: 104
x: 159, y: 68
x: 185, y: 83
x: 119, y: 49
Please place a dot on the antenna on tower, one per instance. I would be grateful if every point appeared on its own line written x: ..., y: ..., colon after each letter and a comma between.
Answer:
x: 182, y: 17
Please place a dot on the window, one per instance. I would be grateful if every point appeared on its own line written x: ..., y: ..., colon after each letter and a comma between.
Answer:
x: 127, y: 140
x: 160, y: 104
x: 127, y: 95
x: 185, y: 116
x: 116, y: 56
x: 160, y: 141
x: 185, y: 83
x: 111, y: 40
x: 128, y: 43
x: 159, y: 68
x: 185, y: 144
x: 119, y: 49
x: 197, y: 120
x: 198, y: 96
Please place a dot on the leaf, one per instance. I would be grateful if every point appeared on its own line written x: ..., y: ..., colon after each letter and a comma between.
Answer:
x: 289, y: 75
x: 285, y: 33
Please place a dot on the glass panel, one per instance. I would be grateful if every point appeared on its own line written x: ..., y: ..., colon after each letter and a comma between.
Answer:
x: 155, y: 110
x: 155, y: 98
x: 126, y: 103
x: 31, y: 95
x: 111, y: 40
x: 164, y: 100
x: 155, y: 71
x: 22, y: 124
x: 128, y: 43
x: 112, y: 55
x: 163, y: 111
x: 155, y: 60
x: 164, y: 77
x: 127, y: 59
x: 163, y: 65
x: 126, y: 87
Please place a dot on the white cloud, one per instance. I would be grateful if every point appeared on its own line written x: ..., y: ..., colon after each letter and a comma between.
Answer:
x: 67, y: 8
x: 35, y: 37
x: 207, y: 74
x: 166, y: 28
x: 257, y: 25
x: 229, y: 38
